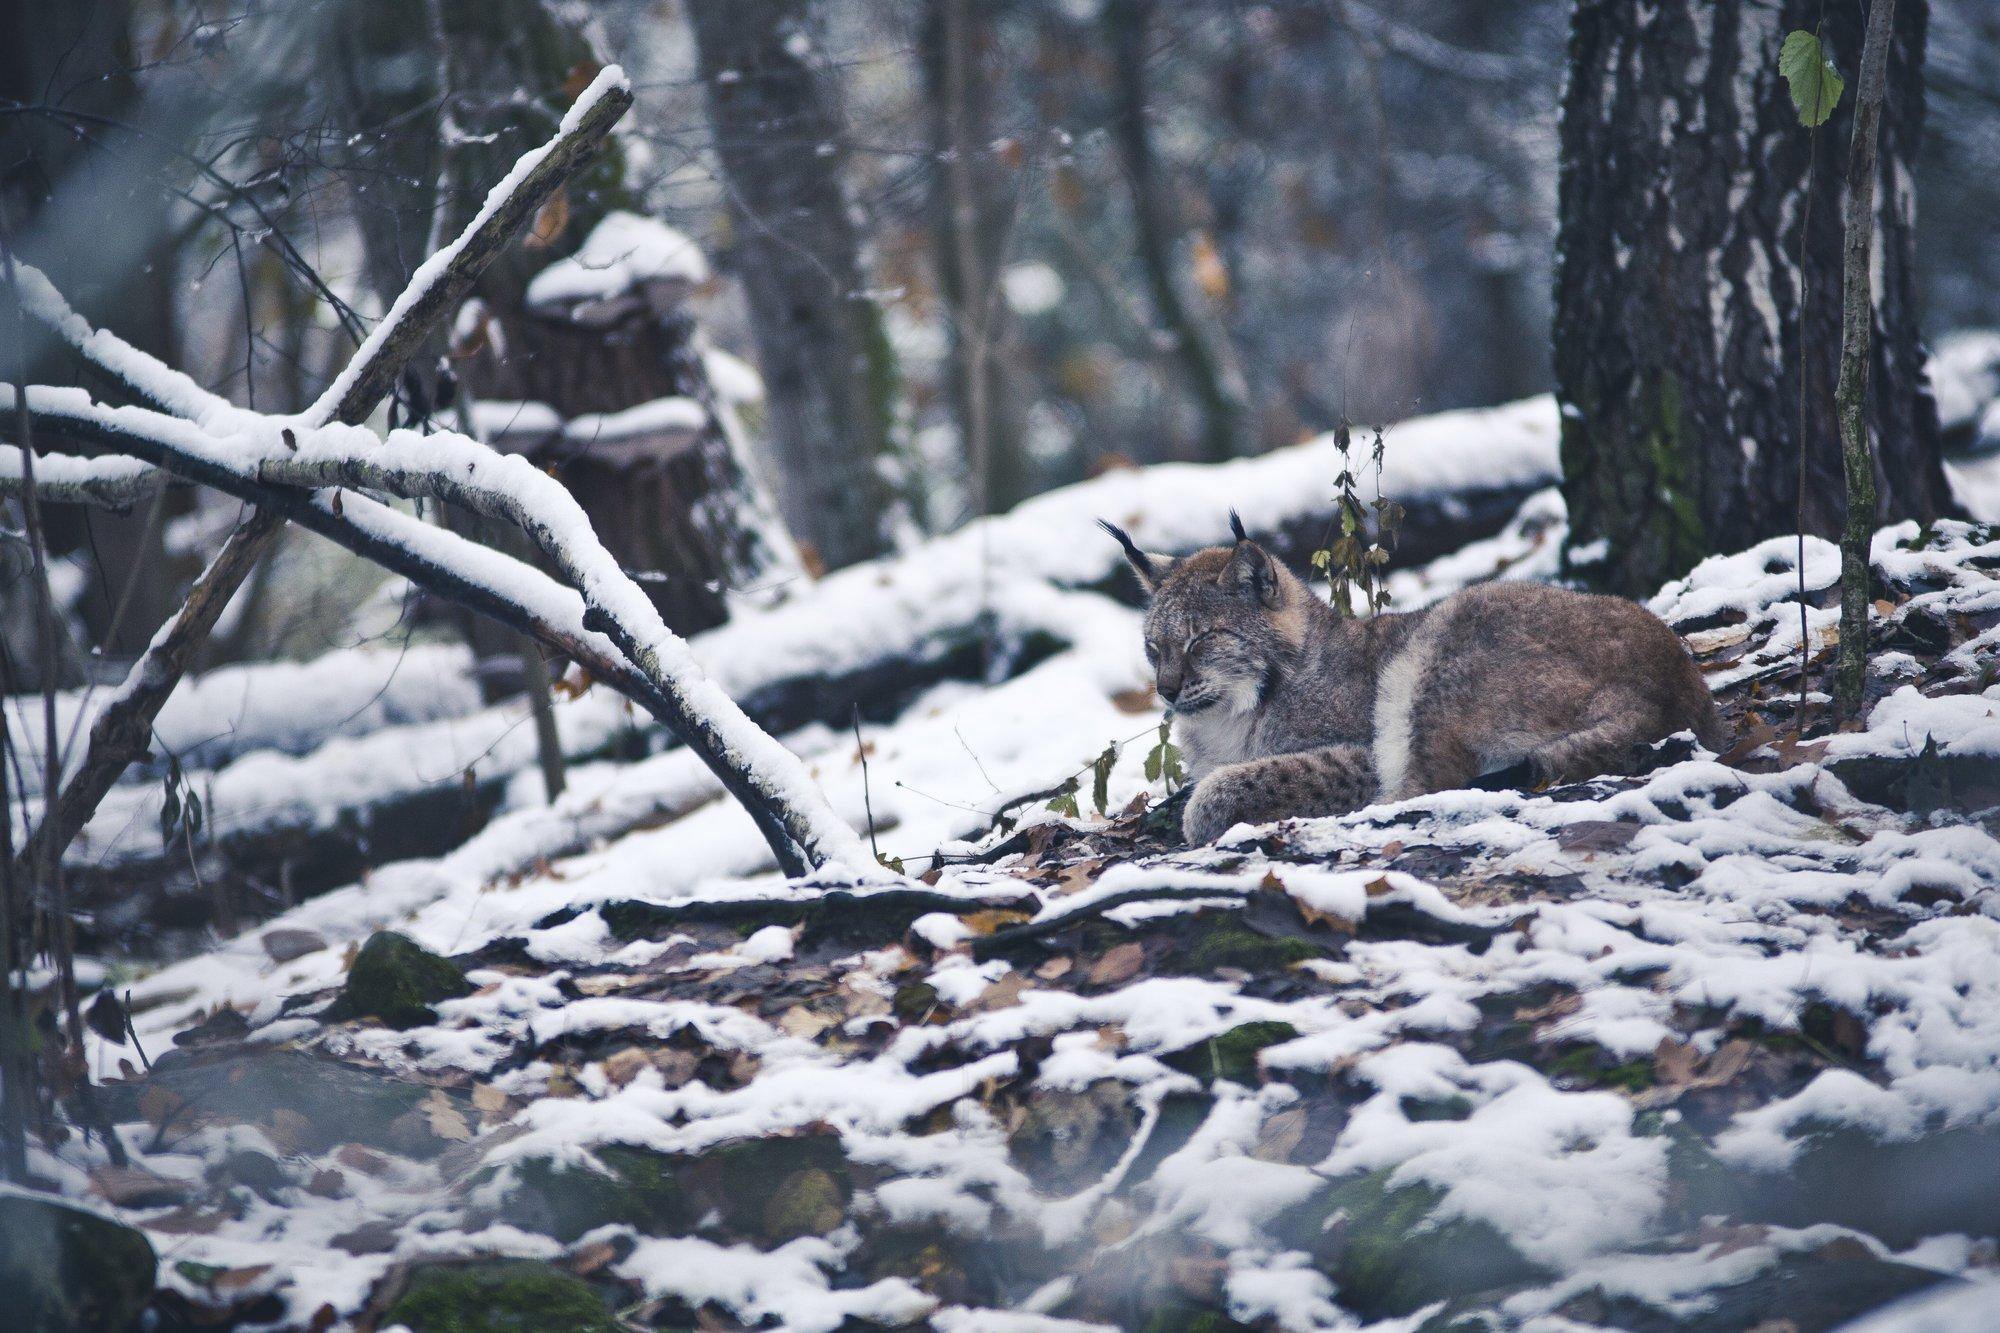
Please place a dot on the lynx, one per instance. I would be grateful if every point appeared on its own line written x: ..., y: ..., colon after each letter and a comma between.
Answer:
x: 1283, y: 707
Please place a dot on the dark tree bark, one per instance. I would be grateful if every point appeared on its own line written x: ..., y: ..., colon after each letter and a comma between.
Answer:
x: 1199, y: 345
x: 492, y: 79
x: 828, y: 368
x: 55, y: 184
x: 1678, y: 328
x: 973, y: 212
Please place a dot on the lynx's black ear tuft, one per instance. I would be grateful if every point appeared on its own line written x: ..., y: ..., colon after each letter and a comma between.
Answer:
x: 1149, y: 567
x: 1236, y: 527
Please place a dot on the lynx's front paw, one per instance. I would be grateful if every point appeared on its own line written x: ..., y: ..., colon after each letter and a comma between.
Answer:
x: 1225, y: 798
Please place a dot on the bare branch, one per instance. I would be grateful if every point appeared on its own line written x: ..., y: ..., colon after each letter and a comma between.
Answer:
x: 120, y: 734
x: 612, y: 616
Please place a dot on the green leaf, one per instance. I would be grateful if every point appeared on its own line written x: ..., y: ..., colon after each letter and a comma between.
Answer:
x: 1815, y: 86
x: 1100, y: 779
x: 1163, y: 761
x: 1064, y: 801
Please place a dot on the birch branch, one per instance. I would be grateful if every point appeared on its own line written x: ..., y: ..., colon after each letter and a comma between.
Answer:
x: 606, y: 621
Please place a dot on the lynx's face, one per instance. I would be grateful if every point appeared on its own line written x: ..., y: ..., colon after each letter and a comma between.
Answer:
x: 1218, y: 626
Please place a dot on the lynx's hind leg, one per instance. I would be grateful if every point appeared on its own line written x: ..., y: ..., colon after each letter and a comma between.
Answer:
x: 1593, y: 752
x: 1438, y: 761
x: 1331, y: 780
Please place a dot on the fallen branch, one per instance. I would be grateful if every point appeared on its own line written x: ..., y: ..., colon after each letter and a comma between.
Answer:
x: 122, y: 732
x: 452, y: 567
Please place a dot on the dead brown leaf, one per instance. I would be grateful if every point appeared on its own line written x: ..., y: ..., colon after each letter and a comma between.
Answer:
x: 238, y: 1279
x: 551, y: 221
x: 588, y: 1259
x: 805, y: 1023
x: 1002, y: 994
x: 1674, y: 1062
x: 1280, y: 1137
x: 365, y: 1160
x: 288, y: 1129
x: 1141, y: 700
x: 136, y: 1187
x: 1054, y: 968
x: 446, y: 1120
x: 1078, y: 875
x: 622, y: 1066
x: 1121, y: 963
x: 327, y: 1183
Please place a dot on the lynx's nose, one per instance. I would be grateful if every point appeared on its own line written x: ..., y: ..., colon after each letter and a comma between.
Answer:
x: 1170, y: 683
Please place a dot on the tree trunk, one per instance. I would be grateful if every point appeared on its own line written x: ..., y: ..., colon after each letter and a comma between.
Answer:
x: 1678, y: 327
x: 502, y: 74
x: 1199, y: 345
x: 55, y: 185
x: 827, y: 365
x: 1850, y: 394
x: 973, y: 211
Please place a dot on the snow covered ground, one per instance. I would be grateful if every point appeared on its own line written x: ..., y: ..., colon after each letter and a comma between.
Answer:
x: 1694, y: 1049
x: 1714, y: 1043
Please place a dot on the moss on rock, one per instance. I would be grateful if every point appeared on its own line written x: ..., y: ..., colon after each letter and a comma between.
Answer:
x: 1226, y: 942
x: 777, y: 1189
x: 1389, y: 1254
x: 62, y: 1268
x: 397, y: 980
x: 499, y: 1296
x: 1231, y: 1055
x: 639, y: 1188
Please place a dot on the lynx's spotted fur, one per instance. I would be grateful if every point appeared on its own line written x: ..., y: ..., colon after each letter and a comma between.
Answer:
x: 1284, y: 708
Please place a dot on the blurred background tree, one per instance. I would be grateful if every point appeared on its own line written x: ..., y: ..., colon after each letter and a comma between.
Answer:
x: 977, y: 249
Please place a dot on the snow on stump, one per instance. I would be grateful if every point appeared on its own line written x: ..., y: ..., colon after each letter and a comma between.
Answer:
x: 628, y: 266
x: 63, y: 1268
x: 396, y: 980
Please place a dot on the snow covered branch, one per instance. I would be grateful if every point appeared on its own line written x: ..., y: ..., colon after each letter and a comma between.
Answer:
x: 604, y: 620
x: 225, y: 447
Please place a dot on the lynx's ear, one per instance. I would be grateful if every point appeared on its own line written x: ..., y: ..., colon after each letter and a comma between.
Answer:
x: 1251, y: 572
x: 1150, y: 568
x: 1236, y: 527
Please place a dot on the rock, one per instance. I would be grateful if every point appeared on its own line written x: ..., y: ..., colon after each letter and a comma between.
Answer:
x: 777, y: 1189
x: 1222, y: 940
x: 1231, y: 1055
x: 304, y: 1103
x: 638, y: 1188
x: 499, y: 1296
x: 1900, y: 1191
x: 285, y: 944
x: 770, y: 1190
x: 1066, y: 1140
x: 1809, y: 1292
x: 1387, y: 1255
x: 63, y: 1268
x: 396, y: 980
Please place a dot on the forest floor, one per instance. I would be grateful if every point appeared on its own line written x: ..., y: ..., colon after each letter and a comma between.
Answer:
x: 1710, y: 1046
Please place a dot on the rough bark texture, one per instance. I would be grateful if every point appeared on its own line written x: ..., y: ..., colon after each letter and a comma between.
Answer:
x: 827, y: 366
x: 1678, y: 327
x: 1850, y: 395
x: 973, y: 210
x: 54, y: 182
x: 496, y: 77
x: 1198, y: 344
